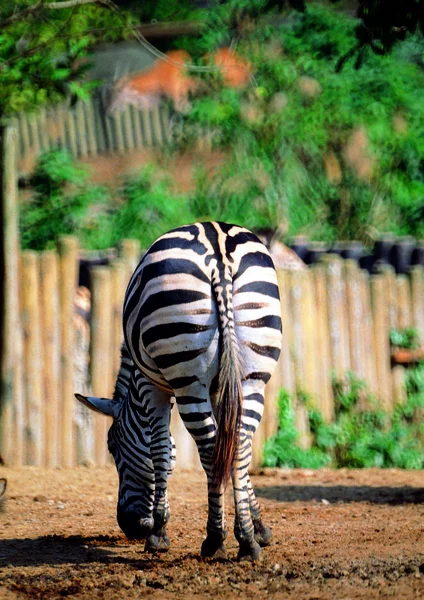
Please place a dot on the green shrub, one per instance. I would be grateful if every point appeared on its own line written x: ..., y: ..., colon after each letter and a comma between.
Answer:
x: 61, y: 203
x: 358, y: 438
x: 295, y: 138
x: 404, y: 338
x: 283, y: 451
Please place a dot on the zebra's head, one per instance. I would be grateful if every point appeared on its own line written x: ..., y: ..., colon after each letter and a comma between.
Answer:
x: 129, y: 444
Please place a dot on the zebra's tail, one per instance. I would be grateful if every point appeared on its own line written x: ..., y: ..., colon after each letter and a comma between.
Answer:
x: 230, y: 394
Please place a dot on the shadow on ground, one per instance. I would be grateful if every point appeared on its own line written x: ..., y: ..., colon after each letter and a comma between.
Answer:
x: 342, y: 493
x: 59, y: 550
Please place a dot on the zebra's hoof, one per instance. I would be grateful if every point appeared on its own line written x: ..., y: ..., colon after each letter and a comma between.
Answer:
x: 157, y: 543
x: 263, y: 535
x: 249, y: 551
x: 213, y: 548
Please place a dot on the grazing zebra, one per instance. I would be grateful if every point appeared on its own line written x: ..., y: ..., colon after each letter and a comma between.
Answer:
x: 202, y: 324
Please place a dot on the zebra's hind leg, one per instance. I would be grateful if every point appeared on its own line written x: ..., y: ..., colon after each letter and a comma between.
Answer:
x: 196, y: 412
x: 213, y: 546
x: 263, y: 533
x: 158, y: 409
x: 244, y: 530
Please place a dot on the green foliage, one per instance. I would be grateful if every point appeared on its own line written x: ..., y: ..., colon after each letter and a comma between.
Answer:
x: 282, y: 450
x: 291, y: 129
x: 63, y: 202
x: 149, y: 208
x: 358, y: 437
x: 39, y: 52
x: 404, y: 338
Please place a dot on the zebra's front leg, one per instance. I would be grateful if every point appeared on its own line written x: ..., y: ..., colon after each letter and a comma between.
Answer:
x: 159, y: 411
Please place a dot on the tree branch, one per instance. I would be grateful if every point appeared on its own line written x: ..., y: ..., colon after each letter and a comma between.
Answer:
x: 41, y: 5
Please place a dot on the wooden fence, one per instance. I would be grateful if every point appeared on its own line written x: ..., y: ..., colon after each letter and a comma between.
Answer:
x: 335, y: 318
x: 88, y: 130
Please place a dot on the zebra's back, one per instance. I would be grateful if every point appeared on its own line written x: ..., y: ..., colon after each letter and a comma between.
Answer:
x: 189, y: 285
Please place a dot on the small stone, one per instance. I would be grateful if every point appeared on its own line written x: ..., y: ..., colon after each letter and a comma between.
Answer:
x: 60, y: 505
x: 276, y: 568
x: 109, y: 498
x: 40, y: 498
x: 324, y: 501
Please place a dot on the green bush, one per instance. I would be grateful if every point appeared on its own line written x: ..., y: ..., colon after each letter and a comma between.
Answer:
x: 294, y: 131
x: 61, y: 203
x: 64, y: 203
x: 276, y: 141
x: 358, y: 438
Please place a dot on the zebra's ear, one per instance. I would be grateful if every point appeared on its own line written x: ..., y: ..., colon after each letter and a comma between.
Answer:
x: 101, y: 405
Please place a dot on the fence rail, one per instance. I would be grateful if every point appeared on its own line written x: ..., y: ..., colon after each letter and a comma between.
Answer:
x: 336, y: 318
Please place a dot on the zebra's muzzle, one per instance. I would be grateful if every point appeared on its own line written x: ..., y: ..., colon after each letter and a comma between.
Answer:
x: 133, y: 525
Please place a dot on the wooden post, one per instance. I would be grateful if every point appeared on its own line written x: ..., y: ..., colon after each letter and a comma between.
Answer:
x: 83, y: 416
x: 286, y: 359
x: 138, y: 135
x: 147, y: 130
x: 43, y: 130
x: 301, y: 321
x: 381, y: 340
x: 72, y: 134
x: 128, y: 129
x: 129, y: 251
x: 338, y: 326
x: 10, y: 354
x: 119, y: 283
x: 356, y: 316
x: 157, y: 129
x: 368, y: 331
x: 80, y: 130
x: 35, y: 145
x: 68, y: 273
x: 417, y: 298
x: 391, y: 291
x: 325, y: 398
x: 404, y: 302
x: 60, y: 117
x: 101, y: 359
x: 399, y: 385
x: 24, y: 132
x: 91, y: 131
x: 120, y: 142
x: 50, y: 309
x: 33, y: 362
x: 19, y: 444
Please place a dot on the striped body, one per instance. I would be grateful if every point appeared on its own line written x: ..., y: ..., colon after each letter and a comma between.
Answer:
x: 171, y: 321
x: 202, y: 324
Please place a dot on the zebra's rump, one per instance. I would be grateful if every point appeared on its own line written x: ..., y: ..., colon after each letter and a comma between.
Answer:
x: 192, y: 282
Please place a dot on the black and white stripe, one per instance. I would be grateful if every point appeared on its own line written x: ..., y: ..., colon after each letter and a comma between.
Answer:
x: 201, y: 324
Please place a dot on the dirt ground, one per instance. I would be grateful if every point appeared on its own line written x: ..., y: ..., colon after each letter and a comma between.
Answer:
x: 336, y: 534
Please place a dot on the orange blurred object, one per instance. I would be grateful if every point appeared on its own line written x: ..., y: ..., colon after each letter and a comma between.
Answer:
x: 171, y: 79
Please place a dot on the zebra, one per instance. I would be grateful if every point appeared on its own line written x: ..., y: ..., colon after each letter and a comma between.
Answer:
x: 202, y: 325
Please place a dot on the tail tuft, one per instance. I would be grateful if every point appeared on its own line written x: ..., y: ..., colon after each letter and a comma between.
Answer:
x: 228, y: 417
